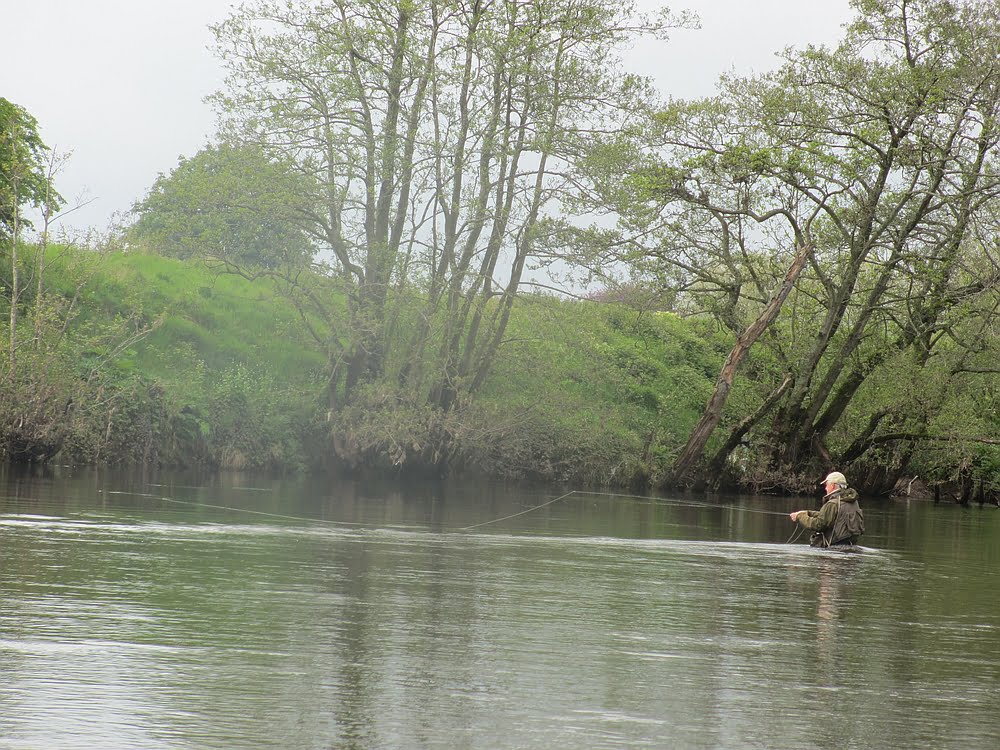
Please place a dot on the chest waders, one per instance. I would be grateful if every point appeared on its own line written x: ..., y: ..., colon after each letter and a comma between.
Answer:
x: 820, y: 538
x: 848, y: 525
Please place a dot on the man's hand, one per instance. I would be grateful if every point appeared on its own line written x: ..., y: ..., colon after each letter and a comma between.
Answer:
x: 794, y: 515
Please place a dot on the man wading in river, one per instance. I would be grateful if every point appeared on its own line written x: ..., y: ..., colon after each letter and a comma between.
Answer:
x: 839, y: 521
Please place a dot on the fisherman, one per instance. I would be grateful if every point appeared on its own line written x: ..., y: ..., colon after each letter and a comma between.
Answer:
x: 840, y: 521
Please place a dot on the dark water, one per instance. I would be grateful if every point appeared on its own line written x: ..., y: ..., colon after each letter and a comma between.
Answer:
x: 230, y: 612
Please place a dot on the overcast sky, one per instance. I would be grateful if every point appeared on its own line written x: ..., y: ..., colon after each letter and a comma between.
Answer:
x: 121, y: 83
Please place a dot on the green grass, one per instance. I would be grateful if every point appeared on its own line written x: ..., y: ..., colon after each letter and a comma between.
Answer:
x: 581, y: 390
x: 603, y: 391
x: 221, y: 319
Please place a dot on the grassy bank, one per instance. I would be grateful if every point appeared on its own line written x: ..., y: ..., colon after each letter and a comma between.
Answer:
x: 170, y: 362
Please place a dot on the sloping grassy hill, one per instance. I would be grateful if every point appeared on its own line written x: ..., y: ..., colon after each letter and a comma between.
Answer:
x: 223, y: 373
x: 218, y: 319
x: 599, y: 392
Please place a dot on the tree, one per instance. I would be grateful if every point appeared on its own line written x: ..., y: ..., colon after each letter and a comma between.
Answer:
x: 437, y: 135
x: 226, y: 202
x: 693, y: 450
x: 24, y: 175
x: 26, y: 172
x: 881, y: 155
x: 47, y: 391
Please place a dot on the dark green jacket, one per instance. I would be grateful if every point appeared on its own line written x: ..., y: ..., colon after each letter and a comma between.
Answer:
x: 840, y: 520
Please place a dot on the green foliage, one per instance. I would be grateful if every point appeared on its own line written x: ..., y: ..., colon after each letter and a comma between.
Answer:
x: 72, y: 380
x: 24, y: 174
x: 595, y: 392
x: 228, y: 202
x: 211, y: 317
x: 429, y: 133
x: 160, y: 361
x: 238, y: 378
x: 581, y: 392
x: 880, y: 156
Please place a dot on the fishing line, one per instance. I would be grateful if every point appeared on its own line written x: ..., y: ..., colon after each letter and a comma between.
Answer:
x: 521, y: 513
x: 795, y: 534
x: 305, y: 520
x: 194, y: 504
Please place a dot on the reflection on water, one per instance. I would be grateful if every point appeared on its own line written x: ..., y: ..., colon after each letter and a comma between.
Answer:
x: 140, y: 612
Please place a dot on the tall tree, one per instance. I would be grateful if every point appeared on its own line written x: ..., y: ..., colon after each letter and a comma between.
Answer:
x: 437, y: 136
x: 881, y: 154
x: 25, y: 180
x: 229, y: 203
x: 24, y: 159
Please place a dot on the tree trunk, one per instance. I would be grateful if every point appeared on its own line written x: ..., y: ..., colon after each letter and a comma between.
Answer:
x: 693, y: 451
x: 15, y: 287
x: 718, y: 463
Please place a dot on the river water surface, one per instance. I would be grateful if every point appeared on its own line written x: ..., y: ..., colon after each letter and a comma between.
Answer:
x: 163, y: 611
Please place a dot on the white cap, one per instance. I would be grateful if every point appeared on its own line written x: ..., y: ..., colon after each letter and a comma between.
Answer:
x: 835, y: 477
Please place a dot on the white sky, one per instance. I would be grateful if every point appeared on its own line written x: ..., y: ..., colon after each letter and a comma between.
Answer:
x: 121, y: 83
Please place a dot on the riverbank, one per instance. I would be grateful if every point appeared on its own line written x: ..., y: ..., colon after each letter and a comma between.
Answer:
x: 130, y: 359
x: 169, y: 362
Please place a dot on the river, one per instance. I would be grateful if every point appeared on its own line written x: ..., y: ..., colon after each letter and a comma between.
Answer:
x: 155, y: 610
